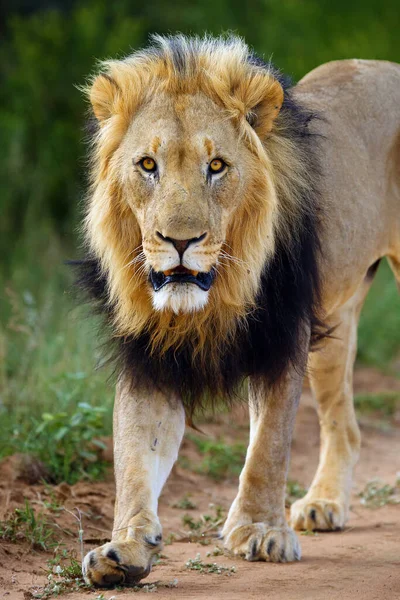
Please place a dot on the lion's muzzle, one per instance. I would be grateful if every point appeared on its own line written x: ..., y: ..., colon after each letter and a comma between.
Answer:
x: 180, y: 274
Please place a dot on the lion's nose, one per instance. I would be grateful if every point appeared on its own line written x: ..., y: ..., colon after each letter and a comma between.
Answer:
x: 181, y: 245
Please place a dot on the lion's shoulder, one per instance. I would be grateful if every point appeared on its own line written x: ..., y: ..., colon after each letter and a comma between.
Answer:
x: 339, y: 74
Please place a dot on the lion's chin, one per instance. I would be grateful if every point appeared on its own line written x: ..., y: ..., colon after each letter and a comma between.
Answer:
x: 180, y: 298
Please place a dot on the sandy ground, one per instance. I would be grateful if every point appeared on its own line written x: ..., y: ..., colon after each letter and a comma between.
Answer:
x: 360, y: 563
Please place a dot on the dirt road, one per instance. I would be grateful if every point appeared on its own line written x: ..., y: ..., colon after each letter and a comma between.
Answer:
x: 360, y: 563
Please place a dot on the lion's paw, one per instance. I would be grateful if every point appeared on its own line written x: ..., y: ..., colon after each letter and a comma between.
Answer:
x: 258, y: 541
x: 322, y: 515
x: 120, y: 563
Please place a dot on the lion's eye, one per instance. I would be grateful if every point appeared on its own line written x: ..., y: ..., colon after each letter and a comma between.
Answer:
x: 148, y: 164
x: 217, y: 165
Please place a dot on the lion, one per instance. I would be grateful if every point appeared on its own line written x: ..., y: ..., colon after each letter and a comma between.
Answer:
x: 234, y: 225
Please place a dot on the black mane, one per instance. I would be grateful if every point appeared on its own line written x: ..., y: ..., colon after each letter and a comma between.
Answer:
x: 270, y: 339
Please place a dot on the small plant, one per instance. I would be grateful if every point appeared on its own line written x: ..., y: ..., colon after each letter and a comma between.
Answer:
x: 69, y: 444
x: 205, y: 526
x: 193, y: 524
x: 385, y: 403
x: 220, y: 460
x: 196, y: 564
x: 170, y: 539
x: 201, y: 530
x: 24, y: 525
x: 65, y: 563
x: 376, y: 494
x: 294, y: 491
x: 64, y: 574
x: 51, y: 502
x: 153, y: 587
x: 216, y: 552
x: 205, y: 521
x: 185, y: 503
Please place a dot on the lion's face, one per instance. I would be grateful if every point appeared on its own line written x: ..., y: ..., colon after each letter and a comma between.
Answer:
x: 183, y: 210
x: 183, y: 169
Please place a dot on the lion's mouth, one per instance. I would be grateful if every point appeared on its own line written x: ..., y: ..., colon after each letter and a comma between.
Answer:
x: 180, y: 274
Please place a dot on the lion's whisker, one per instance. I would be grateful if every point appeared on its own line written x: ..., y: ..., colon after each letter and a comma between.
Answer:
x: 141, y: 257
x: 231, y: 260
x: 228, y: 256
x: 134, y: 250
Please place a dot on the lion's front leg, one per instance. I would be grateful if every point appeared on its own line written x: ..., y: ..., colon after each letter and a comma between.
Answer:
x: 148, y: 430
x: 256, y: 526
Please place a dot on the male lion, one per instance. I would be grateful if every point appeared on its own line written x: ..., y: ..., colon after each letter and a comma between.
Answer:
x: 232, y: 223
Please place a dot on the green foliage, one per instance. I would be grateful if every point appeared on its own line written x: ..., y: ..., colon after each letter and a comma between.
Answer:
x: 64, y: 563
x: 47, y: 366
x: 67, y: 444
x: 377, y: 494
x: 24, y: 525
x: 42, y: 59
x: 379, y: 330
x: 193, y: 524
x: 197, y: 564
x: 52, y: 503
x: 202, y: 529
x: 294, y: 491
x: 185, y: 503
x: 216, y: 552
x: 385, y: 403
x: 206, y: 522
x: 64, y: 575
x: 220, y: 460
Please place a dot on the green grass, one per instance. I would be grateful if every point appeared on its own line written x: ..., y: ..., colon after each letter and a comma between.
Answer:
x: 25, y: 525
x: 185, y: 503
x: 53, y: 404
x: 294, y: 491
x: 206, y: 522
x: 201, y: 529
x: 197, y: 564
x: 64, y: 575
x: 379, y: 330
x: 385, y: 404
x: 69, y: 444
x: 377, y: 494
x: 220, y: 460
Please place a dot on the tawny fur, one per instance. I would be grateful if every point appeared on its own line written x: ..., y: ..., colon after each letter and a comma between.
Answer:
x: 221, y: 72
x: 359, y: 104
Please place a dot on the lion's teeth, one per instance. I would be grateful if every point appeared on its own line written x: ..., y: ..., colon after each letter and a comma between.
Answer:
x: 173, y: 272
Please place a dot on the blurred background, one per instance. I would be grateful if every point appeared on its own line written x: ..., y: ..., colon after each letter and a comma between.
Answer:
x: 48, y: 351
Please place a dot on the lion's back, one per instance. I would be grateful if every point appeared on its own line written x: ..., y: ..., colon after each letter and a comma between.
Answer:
x: 359, y: 105
x: 355, y: 89
x: 353, y: 74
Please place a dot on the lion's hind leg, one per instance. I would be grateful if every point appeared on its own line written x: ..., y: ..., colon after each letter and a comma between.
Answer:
x: 326, y: 505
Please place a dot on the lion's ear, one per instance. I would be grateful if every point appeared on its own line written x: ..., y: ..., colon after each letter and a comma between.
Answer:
x: 103, y: 95
x: 263, y: 100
